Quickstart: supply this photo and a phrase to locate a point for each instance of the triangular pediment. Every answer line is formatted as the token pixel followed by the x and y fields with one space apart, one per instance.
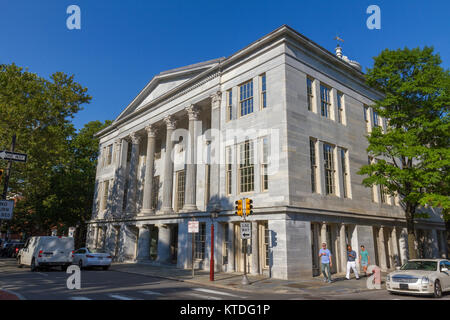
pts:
pixel 165 82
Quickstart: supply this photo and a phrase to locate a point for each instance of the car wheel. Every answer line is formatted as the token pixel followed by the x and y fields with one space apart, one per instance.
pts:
pixel 437 289
pixel 33 265
pixel 105 268
pixel 80 264
pixel 19 263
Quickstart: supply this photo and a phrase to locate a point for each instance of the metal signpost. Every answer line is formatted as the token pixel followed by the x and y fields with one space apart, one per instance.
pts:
pixel 193 228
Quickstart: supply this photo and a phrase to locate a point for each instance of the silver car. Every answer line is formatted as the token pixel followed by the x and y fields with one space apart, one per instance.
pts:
pixel 421 276
pixel 85 257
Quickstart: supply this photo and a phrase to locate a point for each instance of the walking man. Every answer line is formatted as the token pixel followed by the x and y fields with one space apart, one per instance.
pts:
pixel 351 263
pixel 364 259
pixel 325 259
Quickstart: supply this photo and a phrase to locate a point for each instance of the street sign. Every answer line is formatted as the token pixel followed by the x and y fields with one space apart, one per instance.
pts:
pixel 14 156
pixel 6 209
pixel 193 227
pixel 246 230
pixel 71 232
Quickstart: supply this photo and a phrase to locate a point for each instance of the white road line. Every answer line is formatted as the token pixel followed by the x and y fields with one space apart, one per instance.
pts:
pixel 216 292
pixel 79 298
pixel 151 292
pixel 193 294
pixel 119 297
pixel 42 274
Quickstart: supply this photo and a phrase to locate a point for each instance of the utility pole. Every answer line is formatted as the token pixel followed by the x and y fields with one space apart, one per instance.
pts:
pixel 8 173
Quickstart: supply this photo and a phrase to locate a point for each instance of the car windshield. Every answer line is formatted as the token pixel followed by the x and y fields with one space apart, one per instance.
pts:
pixel 420 265
pixel 96 250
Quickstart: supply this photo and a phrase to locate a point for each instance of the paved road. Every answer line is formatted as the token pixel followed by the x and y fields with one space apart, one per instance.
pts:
pixel 114 285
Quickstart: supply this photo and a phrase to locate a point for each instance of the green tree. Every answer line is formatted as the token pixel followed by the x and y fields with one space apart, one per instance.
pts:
pixel 413 155
pixel 39 112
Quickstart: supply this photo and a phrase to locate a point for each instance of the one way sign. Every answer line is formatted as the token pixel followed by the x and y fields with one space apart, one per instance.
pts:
pixel 14 156
pixel 246 230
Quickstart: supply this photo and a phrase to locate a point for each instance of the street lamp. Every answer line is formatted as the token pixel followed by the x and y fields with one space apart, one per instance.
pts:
pixel 214 214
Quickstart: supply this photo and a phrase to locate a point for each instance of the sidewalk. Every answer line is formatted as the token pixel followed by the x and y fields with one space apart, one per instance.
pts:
pixel 262 284
pixel 8 295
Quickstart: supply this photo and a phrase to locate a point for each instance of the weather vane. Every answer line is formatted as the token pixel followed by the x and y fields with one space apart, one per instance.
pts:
pixel 338 39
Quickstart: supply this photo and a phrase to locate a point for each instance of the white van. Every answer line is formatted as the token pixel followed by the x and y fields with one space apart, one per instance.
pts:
pixel 46 252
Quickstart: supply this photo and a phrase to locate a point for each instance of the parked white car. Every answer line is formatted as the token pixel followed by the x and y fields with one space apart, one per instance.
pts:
pixel 46 252
pixel 421 276
pixel 85 257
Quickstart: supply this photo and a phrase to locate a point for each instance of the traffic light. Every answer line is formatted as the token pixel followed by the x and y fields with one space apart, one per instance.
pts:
pixel 239 207
pixel 248 206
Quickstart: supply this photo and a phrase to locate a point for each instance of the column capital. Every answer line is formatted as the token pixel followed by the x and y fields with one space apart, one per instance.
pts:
pixel 215 99
pixel 135 138
pixel 193 112
pixel 151 131
pixel 170 122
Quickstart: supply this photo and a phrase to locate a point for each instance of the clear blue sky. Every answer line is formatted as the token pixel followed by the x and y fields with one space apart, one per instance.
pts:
pixel 123 44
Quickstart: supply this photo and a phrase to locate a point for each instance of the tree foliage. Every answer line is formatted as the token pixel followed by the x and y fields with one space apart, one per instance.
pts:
pixel 55 186
pixel 413 155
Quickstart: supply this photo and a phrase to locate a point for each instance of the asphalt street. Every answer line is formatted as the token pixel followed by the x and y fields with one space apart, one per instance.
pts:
pixel 97 284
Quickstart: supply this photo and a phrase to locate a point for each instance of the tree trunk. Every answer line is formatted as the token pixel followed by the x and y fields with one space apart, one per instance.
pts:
pixel 409 213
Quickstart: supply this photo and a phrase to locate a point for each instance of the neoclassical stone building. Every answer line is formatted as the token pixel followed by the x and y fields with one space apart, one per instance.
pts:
pixel 283 122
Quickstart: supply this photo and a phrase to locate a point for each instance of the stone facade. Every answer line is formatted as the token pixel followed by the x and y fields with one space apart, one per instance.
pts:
pixel 198 138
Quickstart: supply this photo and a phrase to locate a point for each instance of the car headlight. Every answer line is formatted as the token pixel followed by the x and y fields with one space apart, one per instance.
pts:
pixel 425 280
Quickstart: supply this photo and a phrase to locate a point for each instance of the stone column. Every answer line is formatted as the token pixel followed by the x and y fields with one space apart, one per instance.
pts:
pixel 395 253
pixel 403 244
pixel 382 249
pixel 191 166
pixel 230 244
pixel 323 235
pixel 255 249
pixel 95 236
pixel 343 248
pixel 147 205
pixel 168 167
pixel 215 154
pixel 134 162
pixel 163 244
pixel 143 249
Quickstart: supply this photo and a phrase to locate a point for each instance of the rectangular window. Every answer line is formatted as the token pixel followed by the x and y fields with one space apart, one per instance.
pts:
pixel 109 154
pixel 207 183
pixel 155 192
pixel 340 105
pixel 309 92
pixel 246 98
pixel 369 161
pixel 229 105
pixel 344 171
pixel 180 190
pixel 383 194
pixel 329 167
pixel 265 164
pixel 229 172
pixel 200 238
pixel 325 101
pixel 105 194
pixel 312 159
pixel 246 167
pixel 376 119
pixel 263 98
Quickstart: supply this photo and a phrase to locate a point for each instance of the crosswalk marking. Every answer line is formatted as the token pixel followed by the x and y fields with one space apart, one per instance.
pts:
pixel 200 296
pixel 151 292
pixel 118 296
pixel 79 298
pixel 216 292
